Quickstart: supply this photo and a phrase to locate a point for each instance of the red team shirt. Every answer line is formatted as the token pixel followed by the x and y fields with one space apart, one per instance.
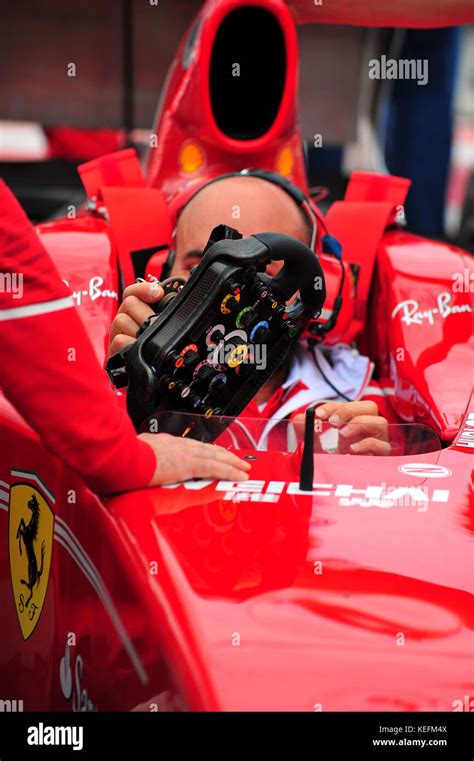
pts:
pixel 68 403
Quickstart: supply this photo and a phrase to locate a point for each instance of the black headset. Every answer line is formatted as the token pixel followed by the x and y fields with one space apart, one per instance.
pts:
pixel 296 194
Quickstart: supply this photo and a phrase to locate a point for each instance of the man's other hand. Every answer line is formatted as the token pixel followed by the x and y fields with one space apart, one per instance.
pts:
pixel 180 459
pixel 361 429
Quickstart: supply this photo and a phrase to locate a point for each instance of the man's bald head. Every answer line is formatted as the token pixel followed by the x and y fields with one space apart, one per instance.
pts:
pixel 250 204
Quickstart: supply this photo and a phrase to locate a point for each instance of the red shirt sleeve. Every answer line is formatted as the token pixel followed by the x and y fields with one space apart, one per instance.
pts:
pixel 49 370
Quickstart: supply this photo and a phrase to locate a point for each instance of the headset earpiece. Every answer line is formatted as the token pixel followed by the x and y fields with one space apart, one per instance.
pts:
pixel 168 265
pixel 161 263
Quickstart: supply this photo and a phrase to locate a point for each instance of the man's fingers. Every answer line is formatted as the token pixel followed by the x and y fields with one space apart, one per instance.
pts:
pixel 299 423
pixel 119 343
pixel 200 450
pixel 123 324
pixel 365 425
pixel 214 452
pixel 150 293
pixel 371 446
pixel 363 429
pixel 179 459
pixel 136 309
pixel 211 461
pixel 213 468
pixel 337 413
pixel 132 312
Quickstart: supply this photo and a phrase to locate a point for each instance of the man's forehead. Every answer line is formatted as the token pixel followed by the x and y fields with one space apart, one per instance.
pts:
pixel 248 203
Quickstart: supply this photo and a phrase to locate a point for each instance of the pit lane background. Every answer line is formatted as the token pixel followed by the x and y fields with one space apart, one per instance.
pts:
pixel 122 50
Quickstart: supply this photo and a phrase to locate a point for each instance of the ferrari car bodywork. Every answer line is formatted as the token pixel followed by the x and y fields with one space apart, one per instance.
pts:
pixel 255 596
pixel 205 595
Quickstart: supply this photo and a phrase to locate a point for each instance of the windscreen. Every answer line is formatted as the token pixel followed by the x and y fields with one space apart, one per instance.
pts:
pixel 261 434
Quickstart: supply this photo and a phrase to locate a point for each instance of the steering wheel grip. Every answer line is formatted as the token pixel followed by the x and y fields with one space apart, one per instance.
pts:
pixel 297 258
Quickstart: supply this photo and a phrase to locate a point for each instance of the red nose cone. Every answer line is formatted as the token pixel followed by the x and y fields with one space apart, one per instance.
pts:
pixel 231 100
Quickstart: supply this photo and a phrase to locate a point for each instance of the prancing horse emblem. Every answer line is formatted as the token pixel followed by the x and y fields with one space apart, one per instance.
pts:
pixel 31 524
pixel 29 535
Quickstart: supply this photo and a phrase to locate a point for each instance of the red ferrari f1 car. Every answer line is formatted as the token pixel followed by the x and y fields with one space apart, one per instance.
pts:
pixel 354 595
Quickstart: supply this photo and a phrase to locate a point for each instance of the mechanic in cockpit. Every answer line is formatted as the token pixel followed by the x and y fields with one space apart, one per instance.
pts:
pixel 264 206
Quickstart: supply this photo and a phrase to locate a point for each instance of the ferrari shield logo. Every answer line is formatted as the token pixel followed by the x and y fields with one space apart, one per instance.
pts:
pixel 31 523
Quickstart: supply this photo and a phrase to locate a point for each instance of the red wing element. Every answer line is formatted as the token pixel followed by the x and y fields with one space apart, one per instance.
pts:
pixel 405 13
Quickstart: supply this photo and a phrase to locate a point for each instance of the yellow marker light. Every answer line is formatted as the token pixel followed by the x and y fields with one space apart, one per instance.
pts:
pixel 284 162
pixel 191 157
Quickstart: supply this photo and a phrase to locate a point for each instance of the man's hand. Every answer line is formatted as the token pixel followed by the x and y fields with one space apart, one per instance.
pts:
pixel 361 429
pixel 132 313
pixel 180 459
pixel 177 459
